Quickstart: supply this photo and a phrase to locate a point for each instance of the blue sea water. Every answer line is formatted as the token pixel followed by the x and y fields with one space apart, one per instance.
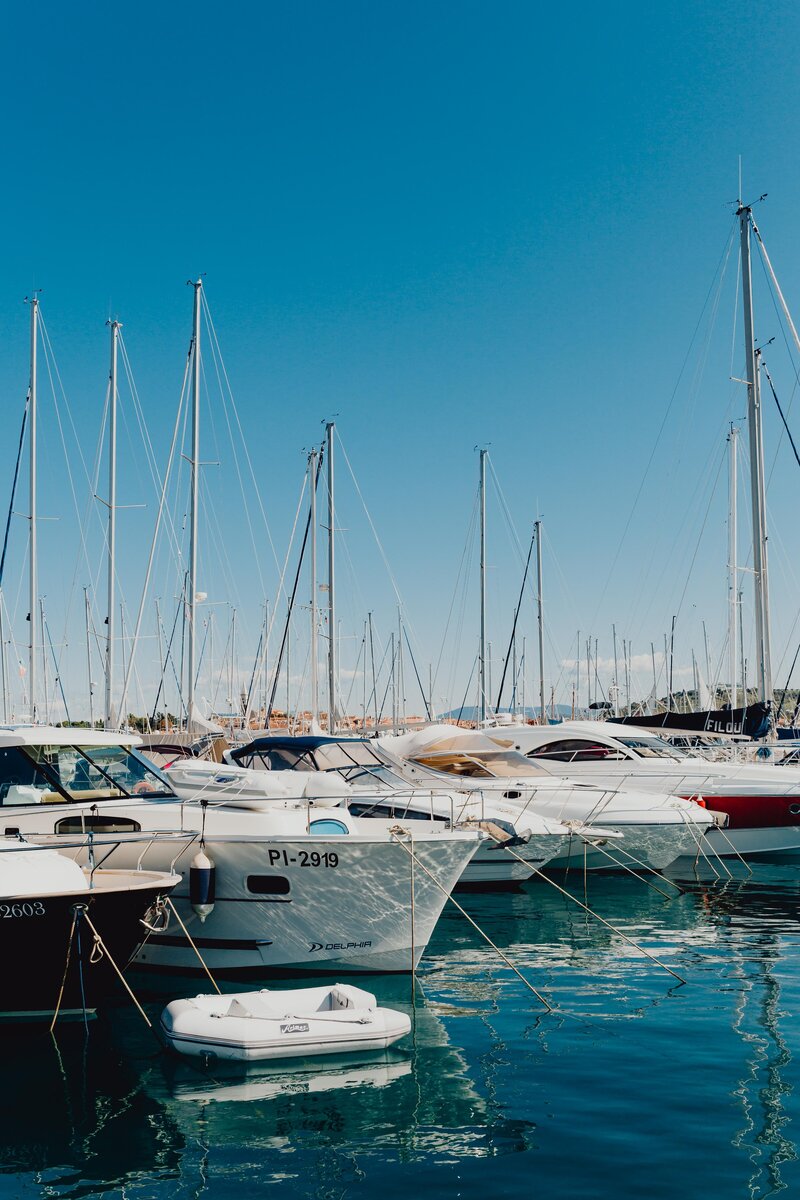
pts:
pixel 636 1086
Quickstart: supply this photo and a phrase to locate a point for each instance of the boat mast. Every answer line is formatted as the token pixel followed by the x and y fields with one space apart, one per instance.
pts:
pixel 33 649
pixel 540 618
pixel 329 430
pixel 312 471
pixel 195 467
pixel 616 670
pixel 482 648
pixel 760 575
pixel 112 522
pixel 733 440
pixel 87 612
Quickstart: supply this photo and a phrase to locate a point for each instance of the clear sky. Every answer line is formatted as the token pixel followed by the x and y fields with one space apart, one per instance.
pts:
pixel 451 225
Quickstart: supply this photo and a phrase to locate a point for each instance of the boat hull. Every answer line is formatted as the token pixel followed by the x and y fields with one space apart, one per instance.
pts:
pixel 208 1030
pixel 35 931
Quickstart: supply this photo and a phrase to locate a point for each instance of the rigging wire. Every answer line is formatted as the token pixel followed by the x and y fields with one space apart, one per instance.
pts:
pixel 14 485
pixel 716 281
pixel 780 410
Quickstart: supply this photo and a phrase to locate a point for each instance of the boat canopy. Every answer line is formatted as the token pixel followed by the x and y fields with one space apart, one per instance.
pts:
pixel 465 752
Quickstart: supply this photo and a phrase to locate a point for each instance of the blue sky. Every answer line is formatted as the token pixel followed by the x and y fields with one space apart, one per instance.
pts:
pixel 449 225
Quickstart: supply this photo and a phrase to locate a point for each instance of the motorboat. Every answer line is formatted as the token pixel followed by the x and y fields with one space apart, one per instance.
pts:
pixel 51 912
pixel 269 1024
pixel 658 827
pixel 295 887
pixel 357 774
pixel 760 800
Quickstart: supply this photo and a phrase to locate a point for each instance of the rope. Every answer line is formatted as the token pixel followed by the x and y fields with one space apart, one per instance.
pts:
pixel 396 835
pixel 780 410
pixel 743 861
pixel 285 638
pixel 66 968
pixel 99 941
pixel 80 911
pixel 14 487
pixel 597 917
pixel 635 874
pixel 194 947
pixel 514 626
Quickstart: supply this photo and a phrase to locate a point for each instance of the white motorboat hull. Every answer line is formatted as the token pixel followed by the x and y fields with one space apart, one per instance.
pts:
pixel 262 1026
pixel 777 841
pixel 651 846
pixel 325 903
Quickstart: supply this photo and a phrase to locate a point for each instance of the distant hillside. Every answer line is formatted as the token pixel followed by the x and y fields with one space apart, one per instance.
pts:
pixel 470 712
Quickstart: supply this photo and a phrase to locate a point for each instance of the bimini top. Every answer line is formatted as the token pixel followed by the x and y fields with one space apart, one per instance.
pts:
pixel 301 742
pixel 67 735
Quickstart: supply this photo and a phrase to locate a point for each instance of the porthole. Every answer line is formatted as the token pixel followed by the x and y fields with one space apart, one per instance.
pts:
pixel 268 885
pixel 328 825
pixel 93 823
pixel 794 809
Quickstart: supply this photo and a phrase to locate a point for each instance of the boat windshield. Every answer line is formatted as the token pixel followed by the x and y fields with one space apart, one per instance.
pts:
pixel 59 774
pixel 480 764
pixel 652 747
pixel 352 760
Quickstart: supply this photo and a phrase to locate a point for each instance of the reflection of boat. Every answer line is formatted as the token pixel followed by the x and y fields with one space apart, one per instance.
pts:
pixel 294 1080
pixel 47 907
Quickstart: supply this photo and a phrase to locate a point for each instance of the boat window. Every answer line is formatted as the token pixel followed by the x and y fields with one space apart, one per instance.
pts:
pixel 652 747
pixel 93 823
pixel 455 764
pixel 23 782
pixel 327 825
pixel 64 773
pixel 127 770
pixel 576 750
pixel 480 764
pixel 274 760
pixel 334 756
pixel 268 885
pixel 392 810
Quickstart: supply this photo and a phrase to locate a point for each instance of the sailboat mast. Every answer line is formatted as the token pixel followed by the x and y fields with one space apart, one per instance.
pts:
pixel 195 466
pixel 312 469
pixel 758 500
pixel 329 430
pixel 733 439
pixel 482 649
pixel 33 649
pixel 87 614
pixel 112 522
pixel 540 619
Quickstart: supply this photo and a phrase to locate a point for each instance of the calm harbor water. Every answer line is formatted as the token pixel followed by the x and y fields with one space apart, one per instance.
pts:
pixel 636 1086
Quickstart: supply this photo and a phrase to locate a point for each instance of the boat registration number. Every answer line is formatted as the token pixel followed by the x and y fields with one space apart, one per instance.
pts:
pixel 33 908
pixel 305 858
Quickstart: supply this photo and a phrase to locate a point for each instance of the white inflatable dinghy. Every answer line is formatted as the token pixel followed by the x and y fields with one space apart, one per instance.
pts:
pixel 247 1026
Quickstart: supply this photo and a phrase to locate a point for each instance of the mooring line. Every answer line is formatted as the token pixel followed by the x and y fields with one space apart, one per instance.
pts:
pixel 475 925
pixel 122 978
pixel 597 917
pixel 635 874
pixel 191 943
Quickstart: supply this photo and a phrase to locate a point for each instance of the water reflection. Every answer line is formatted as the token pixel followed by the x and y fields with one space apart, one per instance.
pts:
pixel 488 1089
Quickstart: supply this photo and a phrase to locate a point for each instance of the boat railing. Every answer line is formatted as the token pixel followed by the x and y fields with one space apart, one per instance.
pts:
pixel 91 841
